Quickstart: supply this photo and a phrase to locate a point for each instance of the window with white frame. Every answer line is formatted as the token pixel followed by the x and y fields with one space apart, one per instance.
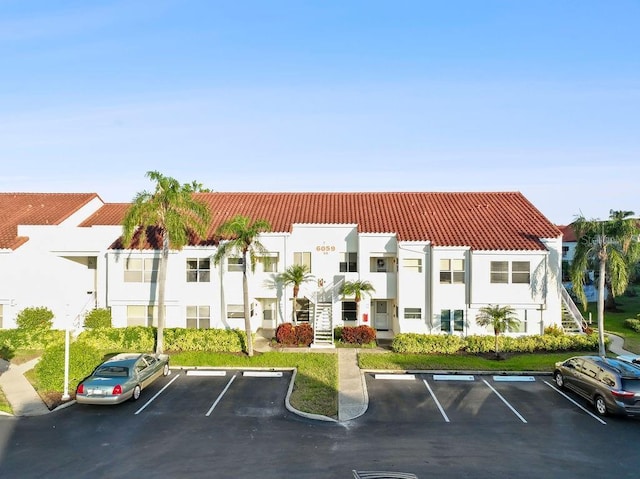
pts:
pixel 451 320
pixel 413 265
pixel 198 317
pixel 520 272
pixel 349 311
pixel 302 258
pixel 380 264
pixel 500 272
pixel 141 315
pixel 348 262
pixel 234 264
pixel 520 326
pixel 269 262
pixel 140 270
pixel 198 270
pixel 452 271
pixel 412 313
pixel 235 311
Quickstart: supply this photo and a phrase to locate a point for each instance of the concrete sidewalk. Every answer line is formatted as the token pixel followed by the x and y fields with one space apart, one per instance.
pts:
pixel 24 400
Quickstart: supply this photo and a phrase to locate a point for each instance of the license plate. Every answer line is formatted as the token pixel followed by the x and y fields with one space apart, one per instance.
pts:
pixel 97 392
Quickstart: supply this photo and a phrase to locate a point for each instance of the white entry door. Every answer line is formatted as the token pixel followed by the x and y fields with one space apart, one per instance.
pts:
pixel 381 315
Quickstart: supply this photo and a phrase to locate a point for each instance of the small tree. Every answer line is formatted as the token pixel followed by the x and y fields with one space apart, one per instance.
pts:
pixel 500 318
pixel 35 320
pixel 296 275
pixel 357 289
pixel 98 318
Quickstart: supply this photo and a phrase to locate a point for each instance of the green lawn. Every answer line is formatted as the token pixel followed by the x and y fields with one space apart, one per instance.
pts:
pixel 629 307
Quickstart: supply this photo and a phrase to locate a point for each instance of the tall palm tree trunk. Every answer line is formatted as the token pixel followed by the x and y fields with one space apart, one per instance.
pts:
pixel 601 286
pixel 247 310
pixel 162 282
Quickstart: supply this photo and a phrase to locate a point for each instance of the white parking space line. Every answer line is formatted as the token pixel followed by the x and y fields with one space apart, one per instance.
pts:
pixel 574 402
pixel 514 378
pixel 156 395
pixel 213 406
pixel 263 374
pixel 452 377
pixel 398 377
pixel 444 414
pixel 198 372
pixel 505 401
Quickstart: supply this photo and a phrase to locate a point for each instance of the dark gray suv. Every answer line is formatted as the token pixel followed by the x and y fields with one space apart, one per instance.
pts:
pixel 612 385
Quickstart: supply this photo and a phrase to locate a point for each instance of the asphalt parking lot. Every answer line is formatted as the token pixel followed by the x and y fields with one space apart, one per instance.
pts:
pixel 234 424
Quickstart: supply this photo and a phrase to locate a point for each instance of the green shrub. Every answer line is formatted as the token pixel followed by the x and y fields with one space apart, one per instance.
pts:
pixel 633 324
pixel 35 319
pixel 413 343
pixel 98 318
pixel 210 340
pixel 131 339
pixel 358 334
pixel 12 339
pixel 49 371
pixel 554 330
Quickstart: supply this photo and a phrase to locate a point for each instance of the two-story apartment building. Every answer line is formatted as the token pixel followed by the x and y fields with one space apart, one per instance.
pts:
pixel 434 260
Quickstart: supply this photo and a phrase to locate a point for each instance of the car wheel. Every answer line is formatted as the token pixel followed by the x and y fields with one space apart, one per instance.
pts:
pixel 601 405
pixel 136 393
pixel 165 370
pixel 559 379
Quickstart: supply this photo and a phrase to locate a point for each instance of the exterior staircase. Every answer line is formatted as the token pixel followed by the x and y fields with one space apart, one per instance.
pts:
pixel 572 319
pixel 323 326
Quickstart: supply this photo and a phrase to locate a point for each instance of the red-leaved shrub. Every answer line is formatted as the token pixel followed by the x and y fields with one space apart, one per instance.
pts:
pixel 358 334
pixel 290 335
pixel 304 333
pixel 285 334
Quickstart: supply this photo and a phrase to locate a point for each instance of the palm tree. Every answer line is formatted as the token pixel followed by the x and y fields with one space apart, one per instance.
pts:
pixel 167 218
pixel 357 289
pixel 240 237
pixel 500 318
pixel 613 246
pixel 296 275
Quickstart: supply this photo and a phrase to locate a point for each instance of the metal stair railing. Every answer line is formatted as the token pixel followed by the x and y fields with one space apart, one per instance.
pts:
pixel 572 310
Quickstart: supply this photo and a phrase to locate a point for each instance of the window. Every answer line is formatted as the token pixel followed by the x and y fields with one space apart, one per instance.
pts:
pixel 500 272
pixel 412 313
pixel 349 312
pixel 141 315
pixel 198 270
pixel 378 264
pixel 565 251
pixel 520 272
pixel 451 320
pixel 269 262
pixel 452 271
pixel 138 270
pixel 412 264
pixel 198 317
pixel 235 311
pixel 303 258
pixel 521 326
pixel 348 262
pixel 234 264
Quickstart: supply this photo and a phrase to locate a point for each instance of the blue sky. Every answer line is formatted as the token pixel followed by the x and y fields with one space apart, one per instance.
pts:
pixel 536 96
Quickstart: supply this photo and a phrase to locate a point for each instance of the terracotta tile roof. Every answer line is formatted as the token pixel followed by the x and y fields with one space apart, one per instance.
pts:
pixel 110 214
pixel 35 209
pixel 481 221
pixel 568 233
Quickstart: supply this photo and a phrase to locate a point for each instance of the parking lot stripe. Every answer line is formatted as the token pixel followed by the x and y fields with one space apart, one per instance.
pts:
pixel 444 414
pixel 198 372
pixel 574 402
pixel 263 374
pixel 156 395
pixel 506 402
pixel 399 377
pixel 452 377
pixel 213 406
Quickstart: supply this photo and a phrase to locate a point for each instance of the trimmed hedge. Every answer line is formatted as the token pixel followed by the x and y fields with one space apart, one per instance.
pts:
pixel 83 359
pixel 13 339
pixel 135 338
pixel 35 319
pixel 98 318
pixel 412 343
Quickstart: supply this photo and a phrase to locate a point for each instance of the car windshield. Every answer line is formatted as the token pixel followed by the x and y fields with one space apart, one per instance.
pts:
pixel 112 371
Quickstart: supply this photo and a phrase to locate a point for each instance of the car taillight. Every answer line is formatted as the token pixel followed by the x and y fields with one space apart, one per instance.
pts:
pixel 623 394
pixel 80 389
pixel 117 389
